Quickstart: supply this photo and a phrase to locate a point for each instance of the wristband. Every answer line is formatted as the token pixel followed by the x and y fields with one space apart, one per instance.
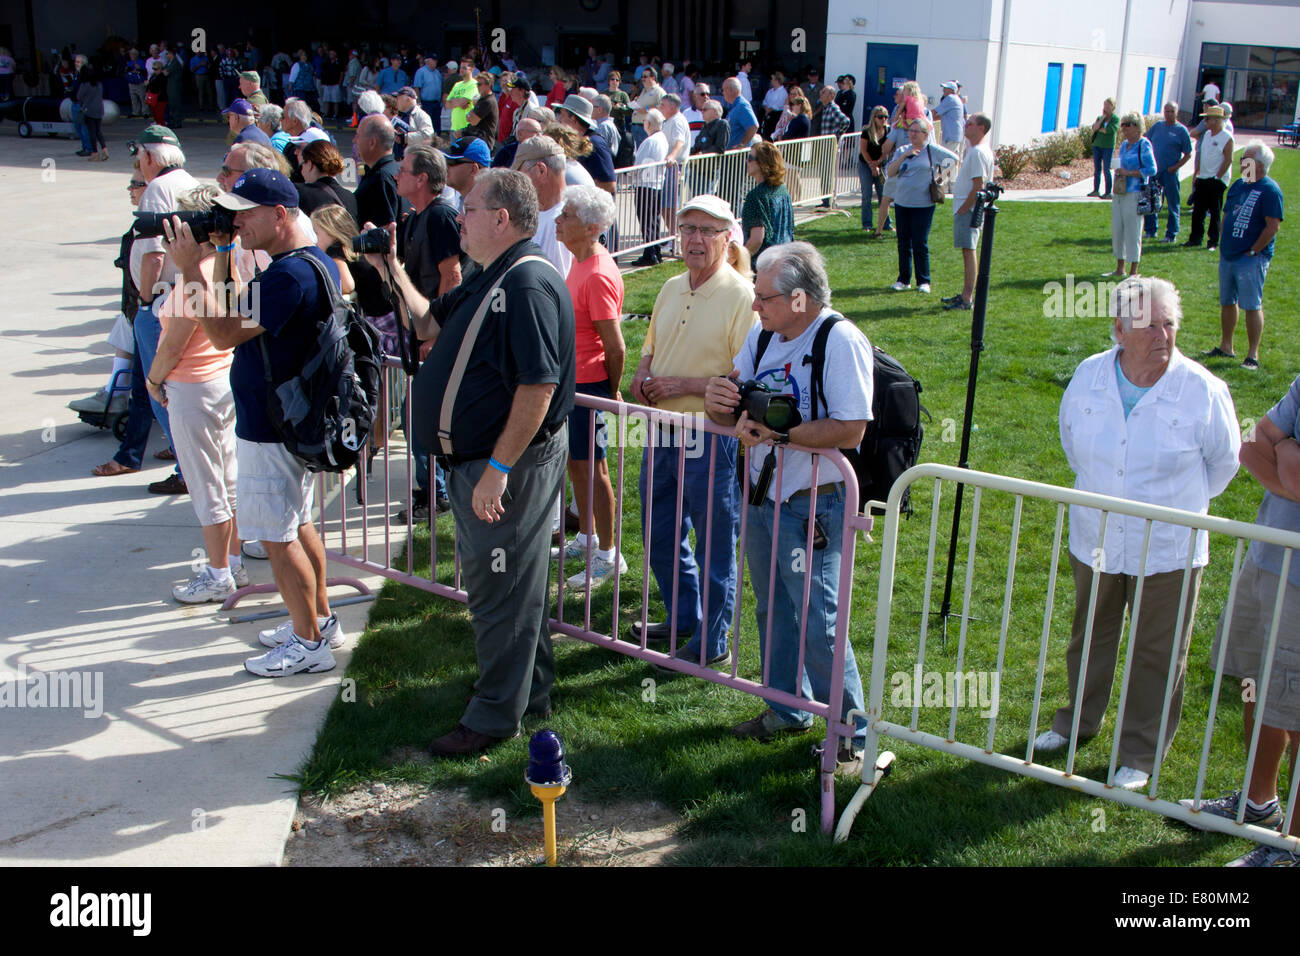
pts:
pixel 152 382
pixel 228 248
pixel 498 466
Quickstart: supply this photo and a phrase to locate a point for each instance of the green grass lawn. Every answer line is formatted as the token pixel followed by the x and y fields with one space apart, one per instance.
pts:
pixel 415 664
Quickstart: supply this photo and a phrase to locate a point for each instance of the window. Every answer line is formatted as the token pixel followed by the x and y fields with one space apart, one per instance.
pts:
pixel 1146 100
pixel 1076 95
pixel 1052 97
pixel 1160 90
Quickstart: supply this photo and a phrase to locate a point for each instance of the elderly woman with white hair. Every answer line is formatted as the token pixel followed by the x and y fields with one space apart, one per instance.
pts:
pixel 1143 422
pixel 1135 161
pixel 268 120
pixel 650 184
pixel 1252 214
pixel 596 288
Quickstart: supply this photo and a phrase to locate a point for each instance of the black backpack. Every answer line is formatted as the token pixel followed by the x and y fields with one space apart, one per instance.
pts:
pixel 892 441
pixel 325 414
pixel 625 155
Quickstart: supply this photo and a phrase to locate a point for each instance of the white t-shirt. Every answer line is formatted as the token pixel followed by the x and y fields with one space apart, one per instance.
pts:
pixel 558 253
pixel 692 115
pixel 775 99
pixel 1210 92
pixel 847 379
pixel 678 129
pixel 978 161
pixel 159 196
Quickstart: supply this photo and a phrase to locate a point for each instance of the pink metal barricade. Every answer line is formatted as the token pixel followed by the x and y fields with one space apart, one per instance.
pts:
pixel 344 525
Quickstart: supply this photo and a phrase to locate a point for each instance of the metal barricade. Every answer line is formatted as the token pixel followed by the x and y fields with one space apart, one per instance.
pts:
pixel 363 537
pixel 847 184
pixel 646 198
pixel 984 751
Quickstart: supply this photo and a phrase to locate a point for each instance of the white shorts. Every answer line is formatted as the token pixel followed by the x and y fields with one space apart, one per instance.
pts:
pixel 332 94
pixel 202 416
pixel 275 492
pixel 121 336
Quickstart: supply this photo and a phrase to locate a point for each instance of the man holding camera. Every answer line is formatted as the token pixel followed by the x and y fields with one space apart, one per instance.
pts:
pixel 154 272
pixel 284 303
pixel 504 442
pixel 792 297
pixel 699 323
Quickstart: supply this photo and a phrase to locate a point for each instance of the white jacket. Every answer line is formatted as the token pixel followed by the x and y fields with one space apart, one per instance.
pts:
pixel 1178 448
pixel 421 133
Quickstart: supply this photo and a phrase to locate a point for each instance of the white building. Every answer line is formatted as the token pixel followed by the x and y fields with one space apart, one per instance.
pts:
pixel 1037 66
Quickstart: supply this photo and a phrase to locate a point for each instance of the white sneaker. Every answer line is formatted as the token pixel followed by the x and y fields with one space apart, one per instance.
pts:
pixel 1050 740
pixel 332 632
pixel 254 549
pixel 1130 779
pixel 601 571
pixel 923 287
pixel 898 287
pixel 240 574
pixel 292 657
pixel 573 551
pixel 203 588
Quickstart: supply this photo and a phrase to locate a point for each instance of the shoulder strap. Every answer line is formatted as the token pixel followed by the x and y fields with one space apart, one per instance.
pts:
pixel 817 393
pixel 466 348
pixel 331 289
pixel 764 339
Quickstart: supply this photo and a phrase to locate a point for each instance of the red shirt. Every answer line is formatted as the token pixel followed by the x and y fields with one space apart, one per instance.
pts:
pixel 506 107
pixel 557 95
pixel 596 288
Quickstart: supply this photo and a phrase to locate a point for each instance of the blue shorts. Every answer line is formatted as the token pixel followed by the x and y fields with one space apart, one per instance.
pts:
pixel 1241 281
pixel 580 423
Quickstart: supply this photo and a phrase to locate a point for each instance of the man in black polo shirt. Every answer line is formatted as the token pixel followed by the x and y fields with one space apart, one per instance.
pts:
pixel 377 198
pixel 508 445
pixel 277 310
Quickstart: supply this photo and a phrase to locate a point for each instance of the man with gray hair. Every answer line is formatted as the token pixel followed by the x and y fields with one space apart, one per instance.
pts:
pixel 1252 214
pixel 793 300
pixel 504 441
pixel 542 160
pixel 1172 144
pixel 378 200
pixel 601 110
pixel 976 170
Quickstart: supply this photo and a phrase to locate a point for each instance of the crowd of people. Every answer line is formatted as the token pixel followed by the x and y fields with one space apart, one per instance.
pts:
pixel 516 205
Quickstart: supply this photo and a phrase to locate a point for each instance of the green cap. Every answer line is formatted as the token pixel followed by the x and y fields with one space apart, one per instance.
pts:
pixel 159 134
pixel 250 75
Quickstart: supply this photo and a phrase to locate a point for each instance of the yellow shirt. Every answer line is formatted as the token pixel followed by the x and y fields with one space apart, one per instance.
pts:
pixel 698 333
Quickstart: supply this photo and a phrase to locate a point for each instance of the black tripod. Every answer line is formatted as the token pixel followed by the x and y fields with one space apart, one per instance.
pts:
pixel 986 212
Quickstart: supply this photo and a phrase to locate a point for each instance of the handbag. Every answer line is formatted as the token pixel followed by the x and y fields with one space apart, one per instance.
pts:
pixel 1120 185
pixel 937 191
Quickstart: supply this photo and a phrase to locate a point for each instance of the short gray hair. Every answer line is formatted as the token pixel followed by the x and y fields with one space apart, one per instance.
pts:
pixel 797 266
pixel 1139 295
pixel 298 110
pixel 269 116
pixel 588 93
pixel 603 102
pixel 1134 117
pixel 712 105
pixel 1261 153
pixel 379 129
pixel 257 156
pixel 591 204
pixel 164 154
pixel 512 191
pixel 429 162
pixel 671 98
pixel 198 199
pixel 654 118
pixel 544 115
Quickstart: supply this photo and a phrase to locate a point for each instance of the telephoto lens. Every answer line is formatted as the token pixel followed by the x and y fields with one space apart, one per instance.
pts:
pixel 202 224
pixel 770 409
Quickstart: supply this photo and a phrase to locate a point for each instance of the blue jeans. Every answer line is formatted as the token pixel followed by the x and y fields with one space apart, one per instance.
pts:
pixel 130 452
pixel 866 181
pixel 1169 183
pixel 82 132
pixel 1100 164
pixel 670 553
pixel 914 242
pixel 823 600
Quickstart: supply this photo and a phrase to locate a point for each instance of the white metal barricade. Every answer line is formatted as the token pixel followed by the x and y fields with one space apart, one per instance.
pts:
pixel 876 763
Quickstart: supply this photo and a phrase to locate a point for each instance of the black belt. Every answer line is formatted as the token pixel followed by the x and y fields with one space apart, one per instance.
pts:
pixel 545 433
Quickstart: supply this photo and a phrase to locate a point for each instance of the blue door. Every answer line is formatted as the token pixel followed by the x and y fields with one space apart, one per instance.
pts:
pixel 887 63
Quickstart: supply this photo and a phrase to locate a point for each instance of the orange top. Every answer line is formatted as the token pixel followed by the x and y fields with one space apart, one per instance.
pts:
pixel 201 361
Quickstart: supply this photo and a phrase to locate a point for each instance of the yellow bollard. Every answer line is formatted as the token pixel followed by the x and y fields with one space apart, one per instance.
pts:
pixel 548 776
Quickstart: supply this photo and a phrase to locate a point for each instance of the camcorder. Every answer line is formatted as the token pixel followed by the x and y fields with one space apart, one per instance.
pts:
pixel 778 412
pixel 372 240
pixel 984 198
pixel 202 224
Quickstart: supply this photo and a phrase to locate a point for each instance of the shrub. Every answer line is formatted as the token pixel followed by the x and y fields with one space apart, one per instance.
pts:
pixel 1084 137
pixel 1011 160
pixel 1055 149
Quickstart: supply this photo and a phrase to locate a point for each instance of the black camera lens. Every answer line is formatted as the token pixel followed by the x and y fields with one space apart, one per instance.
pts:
pixel 372 240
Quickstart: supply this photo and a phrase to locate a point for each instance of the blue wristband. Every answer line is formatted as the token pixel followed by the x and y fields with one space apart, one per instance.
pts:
pixel 498 466
pixel 228 248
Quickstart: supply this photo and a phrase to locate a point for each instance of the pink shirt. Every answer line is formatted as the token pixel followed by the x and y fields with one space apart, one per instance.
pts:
pixel 596 288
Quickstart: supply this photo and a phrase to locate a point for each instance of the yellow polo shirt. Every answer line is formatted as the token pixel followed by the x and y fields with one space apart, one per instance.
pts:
pixel 699 332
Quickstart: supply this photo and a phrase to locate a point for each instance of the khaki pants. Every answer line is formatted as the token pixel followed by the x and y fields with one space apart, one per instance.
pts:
pixel 1150 650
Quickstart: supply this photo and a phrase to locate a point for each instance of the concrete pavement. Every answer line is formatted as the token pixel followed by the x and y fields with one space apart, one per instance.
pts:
pixel 180 766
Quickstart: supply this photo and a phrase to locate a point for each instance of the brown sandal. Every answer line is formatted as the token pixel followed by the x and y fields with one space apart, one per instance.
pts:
pixel 111 469
pixel 165 455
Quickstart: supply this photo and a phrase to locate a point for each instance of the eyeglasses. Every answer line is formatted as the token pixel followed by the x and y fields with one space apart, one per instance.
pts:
pixel 1128 124
pixel 135 184
pixel 764 298
pixel 226 171
pixel 708 232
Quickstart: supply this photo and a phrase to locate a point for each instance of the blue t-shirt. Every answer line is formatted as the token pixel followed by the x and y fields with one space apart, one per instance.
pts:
pixel 253 134
pixel 429 83
pixel 390 80
pixel 600 161
pixel 1275 511
pixel 740 119
pixel 1244 210
pixel 916 173
pixel 198 64
pixel 1129 394
pixel 1171 143
pixel 287 299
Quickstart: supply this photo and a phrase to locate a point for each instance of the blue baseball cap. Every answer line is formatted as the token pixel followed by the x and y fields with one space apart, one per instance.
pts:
pixel 468 149
pixel 240 106
pixel 259 187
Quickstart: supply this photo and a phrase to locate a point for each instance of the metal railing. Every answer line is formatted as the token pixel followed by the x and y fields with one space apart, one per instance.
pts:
pixel 360 535
pixel 984 751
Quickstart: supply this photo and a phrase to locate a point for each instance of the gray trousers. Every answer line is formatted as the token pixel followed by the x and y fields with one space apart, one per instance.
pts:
pixel 505 568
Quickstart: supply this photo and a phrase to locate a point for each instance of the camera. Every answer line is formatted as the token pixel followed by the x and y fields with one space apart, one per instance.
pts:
pixel 372 240
pixel 401 126
pixel 132 147
pixel 778 412
pixel 202 224
pixel 984 198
